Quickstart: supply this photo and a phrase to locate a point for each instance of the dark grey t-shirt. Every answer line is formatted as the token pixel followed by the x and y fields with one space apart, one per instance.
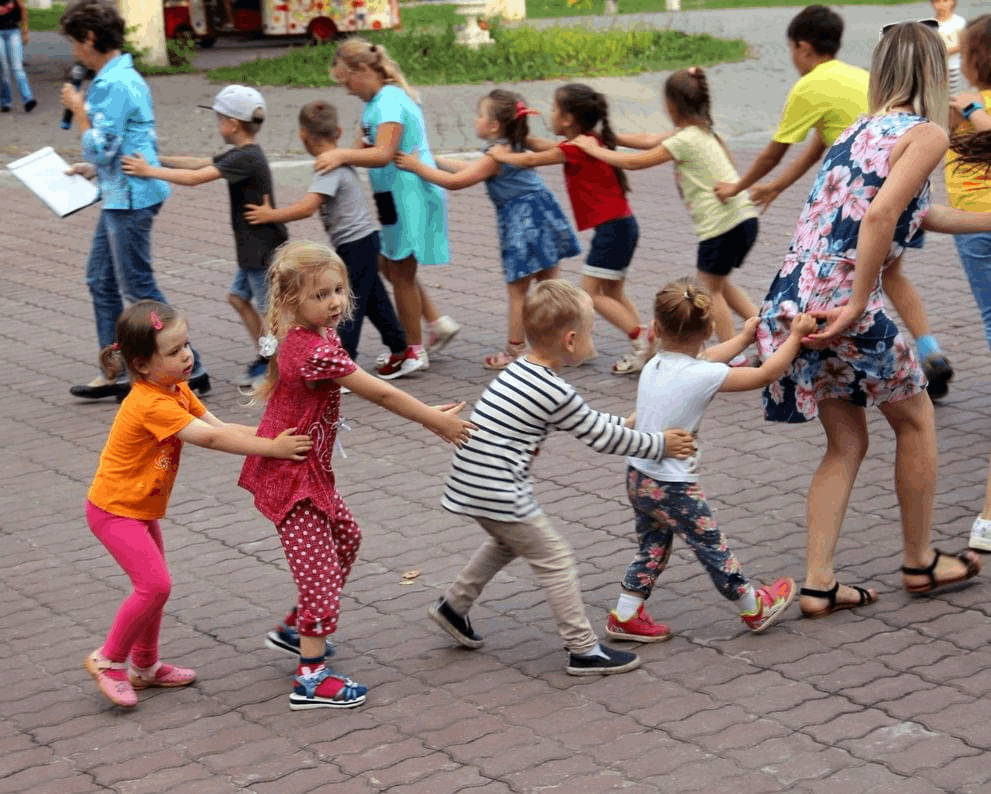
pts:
pixel 344 212
pixel 249 180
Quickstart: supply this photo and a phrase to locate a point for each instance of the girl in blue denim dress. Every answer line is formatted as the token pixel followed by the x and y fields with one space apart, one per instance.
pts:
pixel 534 233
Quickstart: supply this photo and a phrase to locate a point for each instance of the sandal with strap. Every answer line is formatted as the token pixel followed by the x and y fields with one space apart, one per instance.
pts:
pixel 504 358
pixel 865 598
pixel 967 557
pixel 161 674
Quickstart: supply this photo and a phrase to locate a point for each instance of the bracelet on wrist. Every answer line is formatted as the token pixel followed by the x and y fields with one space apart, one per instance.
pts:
pixel 969 111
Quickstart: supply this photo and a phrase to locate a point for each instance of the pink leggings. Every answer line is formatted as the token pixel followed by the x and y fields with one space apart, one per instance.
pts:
pixel 137 547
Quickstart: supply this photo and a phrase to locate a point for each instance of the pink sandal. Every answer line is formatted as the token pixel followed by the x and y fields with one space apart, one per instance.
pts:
pixel 111 678
pixel 504 358
pixel 161 674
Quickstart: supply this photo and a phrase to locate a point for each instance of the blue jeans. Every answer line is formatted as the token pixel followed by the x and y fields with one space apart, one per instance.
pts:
pixel 12 68
pixel 119 269
pixel 975 256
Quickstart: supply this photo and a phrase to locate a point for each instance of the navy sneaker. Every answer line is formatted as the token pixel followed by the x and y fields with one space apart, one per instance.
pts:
pixel 254 373
pixel 286 638
pixel 606 663
pixel 938 372
pixel 454 624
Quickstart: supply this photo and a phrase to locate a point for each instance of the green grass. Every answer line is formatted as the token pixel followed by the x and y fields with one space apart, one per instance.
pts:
pixel 41 19
pixel 433 59
pixel 545 9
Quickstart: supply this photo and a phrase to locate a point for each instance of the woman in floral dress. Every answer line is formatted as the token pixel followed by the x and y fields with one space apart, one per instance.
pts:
pixel 870 199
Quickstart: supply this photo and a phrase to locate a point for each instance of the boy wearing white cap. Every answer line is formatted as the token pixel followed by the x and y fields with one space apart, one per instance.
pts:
pixel 240 112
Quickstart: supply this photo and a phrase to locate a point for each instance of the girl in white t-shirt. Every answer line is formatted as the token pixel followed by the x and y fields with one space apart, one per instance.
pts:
pixel 950 27
pixel 676 386
pixel 727 231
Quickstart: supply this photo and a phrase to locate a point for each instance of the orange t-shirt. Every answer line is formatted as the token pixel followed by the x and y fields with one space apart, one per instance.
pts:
pixel 968 188
pixel 140 460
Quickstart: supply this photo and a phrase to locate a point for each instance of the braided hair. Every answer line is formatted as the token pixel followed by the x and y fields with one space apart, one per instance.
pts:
pixel 590 109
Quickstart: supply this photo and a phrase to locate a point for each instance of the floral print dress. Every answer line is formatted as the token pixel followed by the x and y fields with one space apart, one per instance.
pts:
pixel 871 363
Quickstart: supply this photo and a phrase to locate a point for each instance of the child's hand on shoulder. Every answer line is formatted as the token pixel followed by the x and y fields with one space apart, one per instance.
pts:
pixel 134 165
pixel 498 152
pixel 585 142
pixel 803 324
pixel 256 214
pixel 328 161
pixel 289 446
pixel 449 427
pixel 678 444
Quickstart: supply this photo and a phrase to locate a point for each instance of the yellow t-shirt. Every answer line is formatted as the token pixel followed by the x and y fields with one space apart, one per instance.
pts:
pixel 702 161
pixel 968 188
pixel 828 98
pixel 139 463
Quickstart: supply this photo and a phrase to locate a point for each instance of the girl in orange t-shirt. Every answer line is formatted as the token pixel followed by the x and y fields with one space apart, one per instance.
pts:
pixel 130 491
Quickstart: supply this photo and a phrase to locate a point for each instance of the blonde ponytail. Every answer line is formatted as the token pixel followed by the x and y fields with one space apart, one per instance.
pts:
pixel 356 51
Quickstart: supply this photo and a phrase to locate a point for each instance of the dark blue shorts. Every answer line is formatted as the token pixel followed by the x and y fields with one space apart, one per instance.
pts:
pixel 612 249
pixel 719 255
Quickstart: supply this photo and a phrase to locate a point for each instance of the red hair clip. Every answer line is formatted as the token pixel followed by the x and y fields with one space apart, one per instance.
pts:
pixel 522 110
pixel 155 321
pixel 115 347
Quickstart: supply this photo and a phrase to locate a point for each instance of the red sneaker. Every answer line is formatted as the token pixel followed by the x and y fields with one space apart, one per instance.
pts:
pixel 406 363
pixel 640 628
pixel 772 601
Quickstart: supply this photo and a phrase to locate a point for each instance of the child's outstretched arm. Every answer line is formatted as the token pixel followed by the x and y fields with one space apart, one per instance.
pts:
pixel 136 165
pixel 442 421
pixel 176 161
pixel 630 161
pixel 731 348
pixel 387 137
pixel 950 220
pixel 766 162
pixel 258 214
pixel 552 156
pixel 537 144
pixel 473 173
pixel 763 195
pixel 451 165
pixel 211 433
pixel 749 378
pixel 642 140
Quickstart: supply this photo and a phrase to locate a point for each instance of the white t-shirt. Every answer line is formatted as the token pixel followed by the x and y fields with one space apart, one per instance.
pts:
pixel 954 24
pixel 674 392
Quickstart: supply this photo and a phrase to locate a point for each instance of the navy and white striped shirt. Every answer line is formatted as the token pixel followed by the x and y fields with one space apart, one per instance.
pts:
pixel 490 475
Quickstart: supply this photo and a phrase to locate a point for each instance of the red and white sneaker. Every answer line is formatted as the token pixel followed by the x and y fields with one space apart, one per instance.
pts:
pixel 441 331
pixel 399 364
pixel 640 628
pixel 772 601
pixel 160 674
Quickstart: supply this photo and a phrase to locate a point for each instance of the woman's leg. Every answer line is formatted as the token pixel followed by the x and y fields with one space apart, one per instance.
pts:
pixel 829 493
pixel 975 256
pixel 914 423
pixel 101 279
pixel 6 73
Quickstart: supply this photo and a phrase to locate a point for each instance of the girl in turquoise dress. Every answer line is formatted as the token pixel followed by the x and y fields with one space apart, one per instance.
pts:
pixel 534 233
pixel 869 200
pixel 413 213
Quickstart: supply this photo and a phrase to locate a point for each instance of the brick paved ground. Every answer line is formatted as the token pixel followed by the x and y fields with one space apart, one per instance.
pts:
pixel 891 697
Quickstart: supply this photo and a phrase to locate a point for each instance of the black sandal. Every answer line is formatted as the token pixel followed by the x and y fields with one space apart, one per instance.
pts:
pixel 973 564
pixel 830 595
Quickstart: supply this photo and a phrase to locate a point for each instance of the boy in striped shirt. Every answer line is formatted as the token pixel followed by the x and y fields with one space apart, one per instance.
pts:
pixel 490 475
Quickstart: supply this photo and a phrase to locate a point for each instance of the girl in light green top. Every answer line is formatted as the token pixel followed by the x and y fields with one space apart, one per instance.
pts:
pixel 727 231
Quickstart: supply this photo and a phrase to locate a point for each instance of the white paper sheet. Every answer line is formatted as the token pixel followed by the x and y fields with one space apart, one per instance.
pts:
pixel 43 172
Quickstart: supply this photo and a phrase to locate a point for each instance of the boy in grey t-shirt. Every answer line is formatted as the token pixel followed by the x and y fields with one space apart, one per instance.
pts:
pixel 353 233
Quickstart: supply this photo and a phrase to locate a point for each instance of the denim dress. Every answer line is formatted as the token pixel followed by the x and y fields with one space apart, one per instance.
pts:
pixel 534 233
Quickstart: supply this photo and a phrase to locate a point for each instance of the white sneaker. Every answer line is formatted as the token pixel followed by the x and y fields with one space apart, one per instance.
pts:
pixel 442 331
pixel 398 366
pixel 632 362
pixel 980 535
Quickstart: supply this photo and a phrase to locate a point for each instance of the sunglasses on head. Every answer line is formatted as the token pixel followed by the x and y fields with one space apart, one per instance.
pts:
pixel 929 23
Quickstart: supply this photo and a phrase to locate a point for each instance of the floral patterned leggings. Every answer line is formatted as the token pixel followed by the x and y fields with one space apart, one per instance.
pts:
pixel 663 508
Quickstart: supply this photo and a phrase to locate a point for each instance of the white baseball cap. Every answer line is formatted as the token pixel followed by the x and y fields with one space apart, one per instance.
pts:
pixel 239 102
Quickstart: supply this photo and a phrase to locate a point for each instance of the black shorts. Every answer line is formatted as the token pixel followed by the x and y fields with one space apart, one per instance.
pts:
pixel 719 255
pixel 612 249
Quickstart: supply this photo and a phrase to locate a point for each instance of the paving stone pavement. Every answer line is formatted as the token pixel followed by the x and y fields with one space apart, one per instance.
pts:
pixel 891 697
pixel 887 698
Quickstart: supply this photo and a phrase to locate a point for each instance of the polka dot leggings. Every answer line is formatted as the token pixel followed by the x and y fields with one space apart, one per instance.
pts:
pixel 320 551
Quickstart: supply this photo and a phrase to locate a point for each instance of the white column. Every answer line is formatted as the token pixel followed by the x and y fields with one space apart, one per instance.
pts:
pixel 149 19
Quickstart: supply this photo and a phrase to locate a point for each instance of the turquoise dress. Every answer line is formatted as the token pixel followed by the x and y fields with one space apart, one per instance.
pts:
pixel 413 213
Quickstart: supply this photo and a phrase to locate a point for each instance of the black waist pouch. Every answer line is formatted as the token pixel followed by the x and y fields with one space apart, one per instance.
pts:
pixel 386 206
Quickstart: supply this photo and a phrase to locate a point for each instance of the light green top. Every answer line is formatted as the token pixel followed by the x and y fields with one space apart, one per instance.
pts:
pixel 702 161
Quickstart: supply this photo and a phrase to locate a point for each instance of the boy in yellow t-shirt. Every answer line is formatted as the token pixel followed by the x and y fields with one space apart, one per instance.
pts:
pixel 828 97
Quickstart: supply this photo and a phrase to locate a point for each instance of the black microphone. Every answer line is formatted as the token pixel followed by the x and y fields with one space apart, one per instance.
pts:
pixel 76 76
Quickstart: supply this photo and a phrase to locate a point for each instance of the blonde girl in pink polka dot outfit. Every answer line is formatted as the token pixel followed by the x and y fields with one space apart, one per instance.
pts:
pixel 309 296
